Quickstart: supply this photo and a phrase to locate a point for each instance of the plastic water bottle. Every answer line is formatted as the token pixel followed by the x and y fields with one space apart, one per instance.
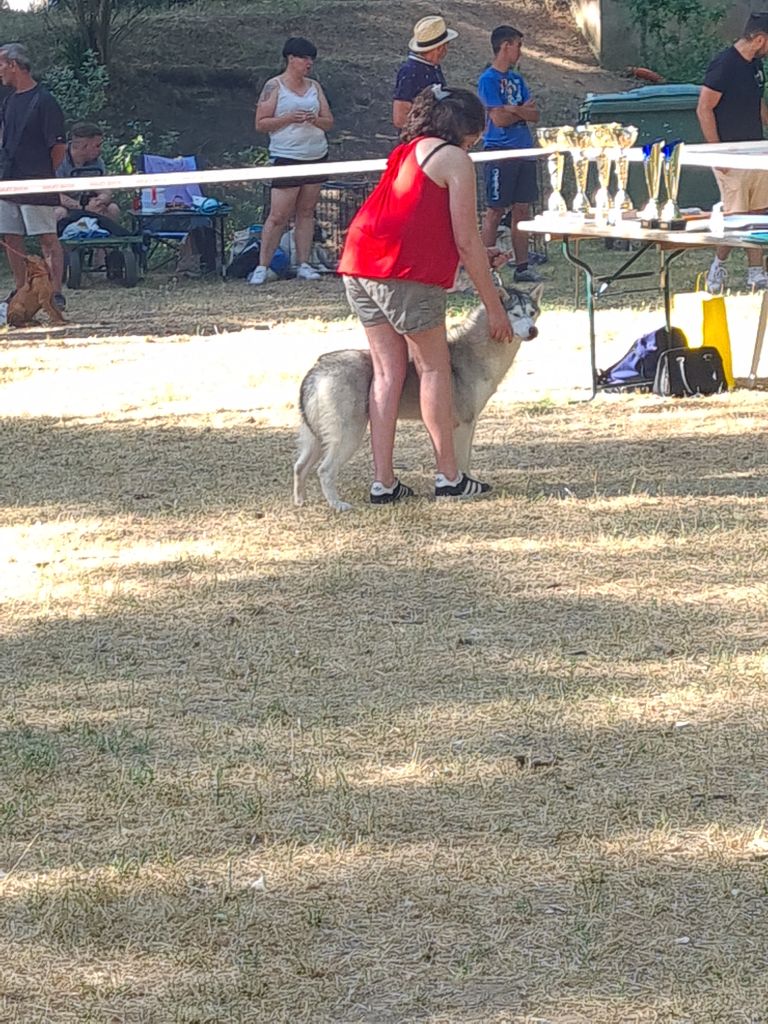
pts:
pixel 717 221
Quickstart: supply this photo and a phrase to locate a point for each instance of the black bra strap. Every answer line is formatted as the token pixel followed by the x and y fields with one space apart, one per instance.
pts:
pixel 429 155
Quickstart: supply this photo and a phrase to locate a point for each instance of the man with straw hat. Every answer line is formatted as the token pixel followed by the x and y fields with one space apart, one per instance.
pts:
pixel 428 47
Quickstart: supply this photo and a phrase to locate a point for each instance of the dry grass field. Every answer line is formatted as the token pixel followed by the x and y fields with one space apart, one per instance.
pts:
pixel 499 763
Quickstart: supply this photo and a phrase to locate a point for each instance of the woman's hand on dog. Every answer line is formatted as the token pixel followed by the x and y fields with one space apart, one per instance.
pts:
pixel 499 327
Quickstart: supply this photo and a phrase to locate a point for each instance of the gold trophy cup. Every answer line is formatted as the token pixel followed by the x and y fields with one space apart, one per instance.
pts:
pixel 604 137
pixel 670 213
pixel 652 159
pixel 550 138
pixel 626 136
pixel 579 141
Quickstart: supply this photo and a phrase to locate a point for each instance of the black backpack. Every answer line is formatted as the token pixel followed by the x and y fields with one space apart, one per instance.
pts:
pixel 245 262
pixel 684 372
pixel 637 367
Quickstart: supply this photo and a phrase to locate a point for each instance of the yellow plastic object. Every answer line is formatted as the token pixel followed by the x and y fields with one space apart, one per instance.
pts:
pixel 704 320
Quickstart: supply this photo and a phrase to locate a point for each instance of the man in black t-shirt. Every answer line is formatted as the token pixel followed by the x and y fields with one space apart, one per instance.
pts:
pixel 732 109
pixel 33 136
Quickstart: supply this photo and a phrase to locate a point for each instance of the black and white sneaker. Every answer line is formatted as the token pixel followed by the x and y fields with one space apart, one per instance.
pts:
pixel 381 495
pixel 463 487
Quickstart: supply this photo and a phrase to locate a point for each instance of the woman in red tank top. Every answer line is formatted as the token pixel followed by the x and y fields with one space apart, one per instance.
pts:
pixel 401 256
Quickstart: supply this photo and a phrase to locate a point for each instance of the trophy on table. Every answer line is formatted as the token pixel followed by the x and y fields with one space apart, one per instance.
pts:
pixel 652 156
pixel 670 212
pixel 551 139
pixel 626 136
pixel 579 141
pixel 604 140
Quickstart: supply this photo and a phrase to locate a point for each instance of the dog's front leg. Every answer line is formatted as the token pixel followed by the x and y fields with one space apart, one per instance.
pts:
pixel 54 315
pixel 462 443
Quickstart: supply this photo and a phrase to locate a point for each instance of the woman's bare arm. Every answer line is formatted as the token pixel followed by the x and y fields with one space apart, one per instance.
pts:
pixel 457 172
pixel 265 110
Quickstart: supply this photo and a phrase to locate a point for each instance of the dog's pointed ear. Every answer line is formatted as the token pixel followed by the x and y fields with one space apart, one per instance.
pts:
pixel 503 293
pixel 537 292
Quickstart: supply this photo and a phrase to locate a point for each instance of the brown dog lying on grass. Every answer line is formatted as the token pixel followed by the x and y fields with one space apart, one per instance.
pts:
pixel 35 294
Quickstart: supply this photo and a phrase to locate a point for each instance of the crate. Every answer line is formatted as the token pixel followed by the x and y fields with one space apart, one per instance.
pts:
pixel 338 203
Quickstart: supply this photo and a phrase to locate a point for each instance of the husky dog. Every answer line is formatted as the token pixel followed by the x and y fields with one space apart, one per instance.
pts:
pixel 334 394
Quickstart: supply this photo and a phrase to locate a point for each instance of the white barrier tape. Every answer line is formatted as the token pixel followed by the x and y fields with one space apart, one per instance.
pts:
pixel 692 156
pixel 222 175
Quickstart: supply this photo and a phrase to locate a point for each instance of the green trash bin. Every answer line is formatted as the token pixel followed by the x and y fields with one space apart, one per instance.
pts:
pixel 658 111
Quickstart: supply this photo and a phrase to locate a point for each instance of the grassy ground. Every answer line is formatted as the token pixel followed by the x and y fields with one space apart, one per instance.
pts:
pixel 501 762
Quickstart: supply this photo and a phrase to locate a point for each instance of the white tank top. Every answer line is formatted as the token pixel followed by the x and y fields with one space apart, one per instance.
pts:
pixel 298 141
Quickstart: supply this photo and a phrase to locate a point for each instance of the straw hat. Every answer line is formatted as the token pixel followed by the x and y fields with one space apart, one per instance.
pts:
pixel 429 33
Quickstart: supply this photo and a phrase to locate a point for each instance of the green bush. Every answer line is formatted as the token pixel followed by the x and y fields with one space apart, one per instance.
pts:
pixel 80 89
pixel 678 38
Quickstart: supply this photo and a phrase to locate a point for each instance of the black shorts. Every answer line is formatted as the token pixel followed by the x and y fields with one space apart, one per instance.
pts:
pixel 510 181
pixel 284 161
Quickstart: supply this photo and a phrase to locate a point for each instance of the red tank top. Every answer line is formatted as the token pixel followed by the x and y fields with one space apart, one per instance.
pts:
pixel 403 229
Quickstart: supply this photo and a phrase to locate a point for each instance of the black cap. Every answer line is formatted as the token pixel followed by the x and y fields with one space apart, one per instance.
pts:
pixel 297 46
pixel 756 22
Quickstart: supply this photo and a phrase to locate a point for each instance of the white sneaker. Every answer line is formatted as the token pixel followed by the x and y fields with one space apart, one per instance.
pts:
pixel 306 273
pixel 259 275
pixel 717 277
pixel 757 278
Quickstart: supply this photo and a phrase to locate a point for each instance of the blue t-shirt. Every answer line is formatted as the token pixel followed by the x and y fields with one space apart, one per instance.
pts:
pixel 414 76
pixel 503 89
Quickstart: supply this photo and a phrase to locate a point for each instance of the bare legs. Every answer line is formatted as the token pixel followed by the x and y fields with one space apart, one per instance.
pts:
pixel 286 204
pixel 491 220
pixel 389 351
pixel 54 257
pixel 16 252
pixel 304 221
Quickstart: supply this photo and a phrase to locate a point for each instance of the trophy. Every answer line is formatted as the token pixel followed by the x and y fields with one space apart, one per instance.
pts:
pixel 550 138
pixel 670 213
pixel 625 139
pixel 652 171
pixel 604 138
pixel 579 141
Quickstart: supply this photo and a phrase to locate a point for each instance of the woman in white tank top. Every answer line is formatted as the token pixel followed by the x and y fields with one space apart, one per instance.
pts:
pixel 293 110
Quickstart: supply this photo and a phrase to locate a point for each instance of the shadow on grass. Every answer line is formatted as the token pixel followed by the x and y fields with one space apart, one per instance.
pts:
pixel 354 706
pixel 150 469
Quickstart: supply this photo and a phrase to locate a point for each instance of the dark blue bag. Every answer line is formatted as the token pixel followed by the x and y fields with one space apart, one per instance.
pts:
pixel 637 368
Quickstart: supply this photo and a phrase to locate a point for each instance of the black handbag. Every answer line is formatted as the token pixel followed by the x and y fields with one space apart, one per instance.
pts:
pixel 684 372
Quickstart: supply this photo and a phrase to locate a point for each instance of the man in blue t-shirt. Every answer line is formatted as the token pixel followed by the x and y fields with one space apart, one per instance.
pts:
pixel 731 108
pixel 509 184
pixel 428 46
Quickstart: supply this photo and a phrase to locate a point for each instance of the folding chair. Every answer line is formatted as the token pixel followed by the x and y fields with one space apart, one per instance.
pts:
pixel 165 231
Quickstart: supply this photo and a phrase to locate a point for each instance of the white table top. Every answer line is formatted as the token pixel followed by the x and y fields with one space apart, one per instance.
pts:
pixel 562 227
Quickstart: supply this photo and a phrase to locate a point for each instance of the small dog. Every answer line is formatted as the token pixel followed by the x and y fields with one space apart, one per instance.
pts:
pixel 35 294
pixel 334 394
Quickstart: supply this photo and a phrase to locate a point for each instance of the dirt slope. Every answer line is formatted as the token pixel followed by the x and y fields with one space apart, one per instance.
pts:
pixel 205 84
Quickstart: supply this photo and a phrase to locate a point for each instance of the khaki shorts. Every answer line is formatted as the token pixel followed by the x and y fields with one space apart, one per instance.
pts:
pixel 743 191
pixel 18 219
pixel 408 306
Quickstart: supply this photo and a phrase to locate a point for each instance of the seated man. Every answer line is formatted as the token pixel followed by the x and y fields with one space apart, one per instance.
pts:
pixel 83 160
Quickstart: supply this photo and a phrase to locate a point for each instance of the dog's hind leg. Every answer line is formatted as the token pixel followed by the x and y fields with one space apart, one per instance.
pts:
pixel 310 452
pixel 463 436
pixel 337 455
